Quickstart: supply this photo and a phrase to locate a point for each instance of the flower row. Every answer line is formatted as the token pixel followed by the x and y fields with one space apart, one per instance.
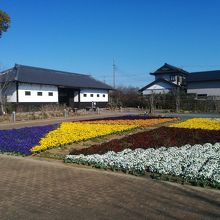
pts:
pixel 138 122
pixel 198 162
pixel 127 117
pixel 199 123
pixel 163 136
pixel 23 139
pixel 43 137
pixel 70 132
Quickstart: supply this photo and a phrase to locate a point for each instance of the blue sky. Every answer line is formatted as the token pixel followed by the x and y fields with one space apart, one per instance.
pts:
pixel 84 35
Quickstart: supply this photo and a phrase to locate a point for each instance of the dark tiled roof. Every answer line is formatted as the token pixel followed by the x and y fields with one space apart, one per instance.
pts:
pixel 8 75
pixel 28 74
pixel 167 68
pixel 156 81
pixel 204 76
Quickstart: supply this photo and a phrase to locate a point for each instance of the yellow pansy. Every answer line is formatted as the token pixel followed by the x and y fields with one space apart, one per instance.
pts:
pixel 70 132
pixel 199 123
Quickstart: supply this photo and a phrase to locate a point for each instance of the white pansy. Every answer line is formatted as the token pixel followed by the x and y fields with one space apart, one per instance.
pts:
pixel 197 162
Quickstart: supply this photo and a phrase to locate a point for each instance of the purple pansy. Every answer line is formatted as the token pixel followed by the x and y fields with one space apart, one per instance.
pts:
pixel 23 139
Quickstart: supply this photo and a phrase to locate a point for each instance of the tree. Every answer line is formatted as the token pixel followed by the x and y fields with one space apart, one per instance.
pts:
pixel 126 97
pixel 4 25
pixel 4 22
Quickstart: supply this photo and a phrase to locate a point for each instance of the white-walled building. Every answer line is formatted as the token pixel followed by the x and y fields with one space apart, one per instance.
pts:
pixel 28 85
pixel 167 77
pixel 202 84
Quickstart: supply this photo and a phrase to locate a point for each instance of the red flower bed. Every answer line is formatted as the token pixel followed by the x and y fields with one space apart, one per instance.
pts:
pixel 163 136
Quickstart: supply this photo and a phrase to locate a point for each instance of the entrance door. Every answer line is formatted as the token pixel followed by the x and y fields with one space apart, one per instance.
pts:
pixel 66 97
pixel 63 96
pixel 71 98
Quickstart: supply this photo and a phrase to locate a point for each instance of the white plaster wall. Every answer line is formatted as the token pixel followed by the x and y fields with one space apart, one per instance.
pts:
pixel 34 88
pixel 157 88
pixel 208 91
pixel 160 85
pixel 211 88
pixel 88 98
pixel 76 96
pixel 155 91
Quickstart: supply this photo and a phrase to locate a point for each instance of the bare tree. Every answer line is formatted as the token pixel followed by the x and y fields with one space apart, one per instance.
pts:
pixel 177 99
pixel 176 96
pixel 4 86
pixel 151 102
pixel 126 97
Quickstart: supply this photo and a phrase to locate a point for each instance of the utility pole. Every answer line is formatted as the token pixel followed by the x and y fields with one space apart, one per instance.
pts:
pixel 113 72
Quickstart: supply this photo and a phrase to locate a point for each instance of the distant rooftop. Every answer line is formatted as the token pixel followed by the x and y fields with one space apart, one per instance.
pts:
pixel 167 68
pixel 191 76
pixel 204 76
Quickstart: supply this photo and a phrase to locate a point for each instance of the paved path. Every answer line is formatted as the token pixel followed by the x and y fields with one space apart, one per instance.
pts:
pixel 39 189
pixel 30 123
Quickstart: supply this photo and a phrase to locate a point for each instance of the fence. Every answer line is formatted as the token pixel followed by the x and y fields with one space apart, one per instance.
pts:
pixel 185 104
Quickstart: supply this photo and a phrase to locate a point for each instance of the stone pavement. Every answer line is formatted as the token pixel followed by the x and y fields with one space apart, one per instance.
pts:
pixel 47 189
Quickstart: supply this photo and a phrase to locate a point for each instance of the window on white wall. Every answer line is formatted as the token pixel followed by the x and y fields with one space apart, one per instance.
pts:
pixel 39 93
pixel 50 93
pixel 91 95
pixel 27 93
pixel 97 95
pixel 172 78
pixel 103 95
pixel 84 95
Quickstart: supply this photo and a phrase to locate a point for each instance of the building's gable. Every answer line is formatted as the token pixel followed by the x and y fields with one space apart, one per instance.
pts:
pixel 161 85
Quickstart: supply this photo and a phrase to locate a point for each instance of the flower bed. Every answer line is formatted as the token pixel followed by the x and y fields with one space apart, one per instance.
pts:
pixel 193 163
pixel 70 132
pixel 163 136
pixel 128 117
pixel 138 122
pixel 23 139
pixel 199 123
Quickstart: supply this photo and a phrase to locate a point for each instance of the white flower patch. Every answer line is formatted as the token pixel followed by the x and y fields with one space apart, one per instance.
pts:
pixel 198 162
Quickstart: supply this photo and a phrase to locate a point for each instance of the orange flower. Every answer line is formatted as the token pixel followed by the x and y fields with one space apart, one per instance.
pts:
pixel 138 122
